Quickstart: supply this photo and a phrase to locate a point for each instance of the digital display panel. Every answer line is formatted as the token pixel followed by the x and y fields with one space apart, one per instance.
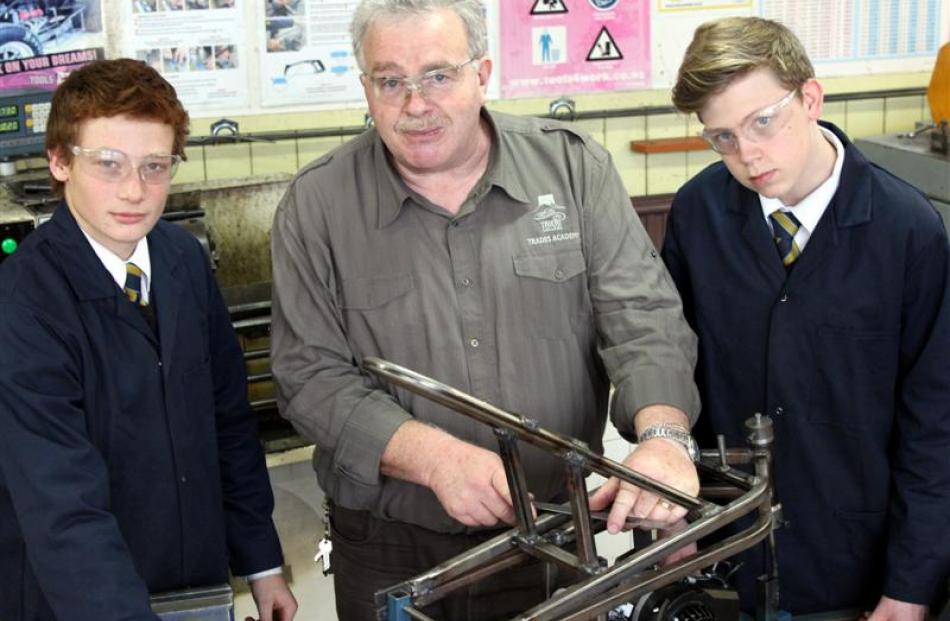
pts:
pixel 23 118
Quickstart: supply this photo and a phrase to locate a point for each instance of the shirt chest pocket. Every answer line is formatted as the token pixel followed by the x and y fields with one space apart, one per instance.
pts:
pixel 552 289
pixel 378 314
pixel 365 294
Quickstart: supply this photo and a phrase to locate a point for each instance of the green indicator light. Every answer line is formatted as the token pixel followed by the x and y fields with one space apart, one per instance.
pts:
pixel 8 245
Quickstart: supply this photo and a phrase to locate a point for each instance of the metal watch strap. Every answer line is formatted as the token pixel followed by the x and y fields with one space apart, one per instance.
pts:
pixel 674 432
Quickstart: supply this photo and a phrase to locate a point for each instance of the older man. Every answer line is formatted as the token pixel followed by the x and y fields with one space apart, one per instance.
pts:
pixel 497 254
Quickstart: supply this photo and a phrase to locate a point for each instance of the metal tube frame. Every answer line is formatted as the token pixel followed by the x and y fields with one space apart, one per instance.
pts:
pixel 599 588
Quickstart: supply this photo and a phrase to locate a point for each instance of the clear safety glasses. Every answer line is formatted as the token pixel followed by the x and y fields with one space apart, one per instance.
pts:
pixel 113 165
pixel 757 127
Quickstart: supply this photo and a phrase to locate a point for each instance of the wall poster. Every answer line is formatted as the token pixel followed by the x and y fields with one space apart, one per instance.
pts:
pixel 197 45
pixel 568 46
pixel 305 53
pixel 42 41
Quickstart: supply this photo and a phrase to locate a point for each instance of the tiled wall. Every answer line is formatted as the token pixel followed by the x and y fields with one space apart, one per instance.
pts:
pixel 642 173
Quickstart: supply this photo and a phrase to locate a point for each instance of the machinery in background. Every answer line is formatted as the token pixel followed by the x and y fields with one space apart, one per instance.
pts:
pixel 938 96
pixel 922 157
pixel 15 225
pixel 250 309
pixel 23 117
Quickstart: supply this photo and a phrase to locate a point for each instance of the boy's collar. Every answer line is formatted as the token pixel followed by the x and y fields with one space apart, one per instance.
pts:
pixel 810 209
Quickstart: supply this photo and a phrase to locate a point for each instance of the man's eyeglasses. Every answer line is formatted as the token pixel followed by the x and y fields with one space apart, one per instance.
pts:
pixel 431 84
pixel 114 165
pixel 757 127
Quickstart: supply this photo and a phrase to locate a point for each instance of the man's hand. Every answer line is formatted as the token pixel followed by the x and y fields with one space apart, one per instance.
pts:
pixel 470 483
pixel 658 459
pixel 892 610
pixel 661 459
pixel 680 553
pixel 274 600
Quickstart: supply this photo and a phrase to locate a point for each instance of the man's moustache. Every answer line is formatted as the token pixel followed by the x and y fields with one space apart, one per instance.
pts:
pixel 420 124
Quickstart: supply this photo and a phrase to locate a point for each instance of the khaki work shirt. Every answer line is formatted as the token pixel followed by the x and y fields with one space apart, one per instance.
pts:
pixel 540 292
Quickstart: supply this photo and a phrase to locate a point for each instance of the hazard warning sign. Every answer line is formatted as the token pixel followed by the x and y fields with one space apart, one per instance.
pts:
pixel 604 48
pixel 573 46
pixel 548 7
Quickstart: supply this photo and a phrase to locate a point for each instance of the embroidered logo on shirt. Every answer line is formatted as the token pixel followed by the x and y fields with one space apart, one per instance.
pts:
pixel 550 215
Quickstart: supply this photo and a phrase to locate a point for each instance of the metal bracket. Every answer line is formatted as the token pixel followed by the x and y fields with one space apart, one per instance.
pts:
pixel 223 127
pixel 563 108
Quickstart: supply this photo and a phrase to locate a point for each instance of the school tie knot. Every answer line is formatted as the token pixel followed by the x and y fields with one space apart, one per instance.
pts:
pixel 133 284
pixel 784 227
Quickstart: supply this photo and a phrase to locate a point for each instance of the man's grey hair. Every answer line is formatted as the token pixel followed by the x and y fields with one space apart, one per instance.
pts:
pixel 469 11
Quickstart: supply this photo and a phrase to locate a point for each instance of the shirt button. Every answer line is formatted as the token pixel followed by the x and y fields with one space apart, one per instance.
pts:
pixel 466 282
pixel 184 479
pixel 473 342
pixel 653 253
pixel 779 411
pixel 558 274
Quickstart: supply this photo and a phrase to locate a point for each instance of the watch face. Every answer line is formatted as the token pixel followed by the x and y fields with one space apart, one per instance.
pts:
pixel 693 449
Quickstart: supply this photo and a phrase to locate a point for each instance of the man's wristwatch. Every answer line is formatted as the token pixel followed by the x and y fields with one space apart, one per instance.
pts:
pixel 676 433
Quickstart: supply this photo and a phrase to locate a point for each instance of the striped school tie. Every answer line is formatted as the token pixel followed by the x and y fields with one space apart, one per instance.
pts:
pixel 133 284
pixel 784 226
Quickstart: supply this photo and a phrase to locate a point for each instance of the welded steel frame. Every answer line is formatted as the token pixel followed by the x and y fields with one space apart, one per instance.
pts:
pixel 599 588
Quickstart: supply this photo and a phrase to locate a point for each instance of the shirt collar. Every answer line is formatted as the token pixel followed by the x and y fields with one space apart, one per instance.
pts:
pixel 116 266
pixel 394 192
pixel 810 209
pixel 501 170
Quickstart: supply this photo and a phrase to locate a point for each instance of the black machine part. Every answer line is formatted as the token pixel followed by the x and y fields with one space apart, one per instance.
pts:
pixel 706 595
pixel 684 602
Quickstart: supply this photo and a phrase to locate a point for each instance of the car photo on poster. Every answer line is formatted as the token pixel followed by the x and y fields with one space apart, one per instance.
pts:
pixel 33 27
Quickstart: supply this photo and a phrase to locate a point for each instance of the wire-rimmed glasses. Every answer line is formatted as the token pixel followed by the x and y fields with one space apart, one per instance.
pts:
pixel 430 85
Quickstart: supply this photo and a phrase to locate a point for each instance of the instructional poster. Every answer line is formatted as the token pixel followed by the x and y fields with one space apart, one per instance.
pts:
pixel 42 42
pixel 198 45
pixel 842 37
pixel 701 5
pixel 896 35
pixel 674 22
pixel 306 56
pixel 568 46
